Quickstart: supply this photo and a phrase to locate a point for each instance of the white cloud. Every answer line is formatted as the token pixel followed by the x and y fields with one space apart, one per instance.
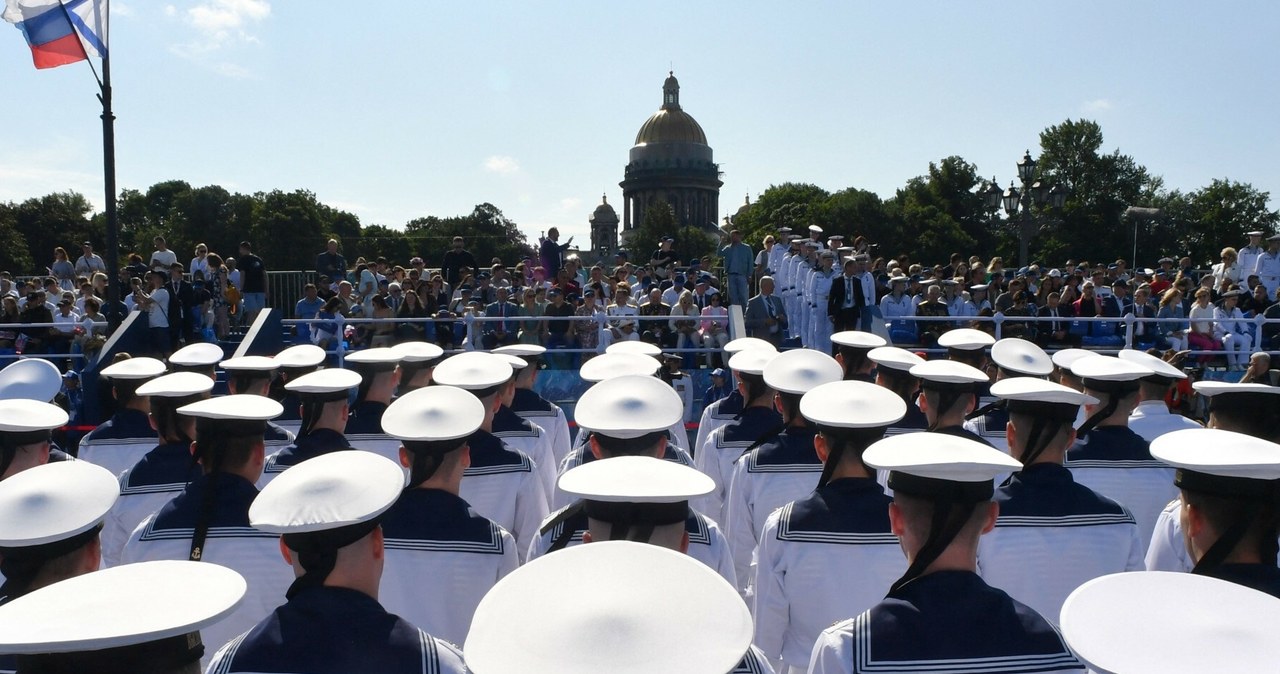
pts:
pixel 501 164
pixel 219 24
pixel 1097 105
pixel 170 10
pixel 570 203
pixel 121 9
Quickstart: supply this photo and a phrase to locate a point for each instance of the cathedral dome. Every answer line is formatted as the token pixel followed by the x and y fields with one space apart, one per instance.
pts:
pixel 670 124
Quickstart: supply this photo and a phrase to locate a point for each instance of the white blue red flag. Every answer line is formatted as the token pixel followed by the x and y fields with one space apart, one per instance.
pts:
pixel 60 32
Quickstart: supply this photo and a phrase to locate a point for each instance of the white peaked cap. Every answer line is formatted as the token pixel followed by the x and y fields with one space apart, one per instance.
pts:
pixel 965 339
pixel 177 385
pixel 522 350
pixel 418 352
pixel 1022 357
pixel 120 606
pixel 635 479
pixel 134 368
pixel 1172 623
pixel 619 599
pixel 852 404
pixel 328 492
pixel 949 372
pixel 628 346
pixel 301 355
pixel 199 354
pixel 1210 389
pixel 744 343
pixel 473 370
pixel 1109 368
pixel 54 502
pixel 894 358
pixel 858 339
pixel 30 379
pixel 250 364
pixel 1064 358
pixel 433 413
pixel 25 416
pixel 516 362
pixel 328 380
pixel 629 406
pixel 1217 452
pixel 800 370
pixel 239 407
pixel 1033 389
pixel 609 365
pixel 380 355
pixel 941 457
pixel 752 361
pixel 1158 366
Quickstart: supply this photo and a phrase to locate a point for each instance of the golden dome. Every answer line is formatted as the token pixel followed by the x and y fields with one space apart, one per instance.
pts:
pixel 671 124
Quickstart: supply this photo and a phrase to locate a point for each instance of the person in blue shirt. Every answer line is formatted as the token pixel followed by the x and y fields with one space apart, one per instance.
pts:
pixel 719 388
pixel 739 263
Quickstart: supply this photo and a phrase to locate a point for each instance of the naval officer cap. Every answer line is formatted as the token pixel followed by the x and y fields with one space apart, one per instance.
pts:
pixel 894 358
pixel 261 366
pixel 529 623
pixel 376 359
pixel 1249 408
pixel 743 343
pixel 635 494
pixel 1109 375
pixel 1050 405
pixel 1162 371
pixel 1120 624
pixel 530 353
pixel 1064 358
pixel 329 384
pixel 301 356
pixel 798 371
pixel 134 369
pixel 752 361
pixel 199 355
pixel 476 371
pixel 26 422
pixel 177 385
pixel 850 412
pixel 642 348
pixel 1021 357
pixel 628 407
pixel 857 339
pixel 516 362
pixel 418 352
pixel 965 339
pixel 949 375
pixel 431 422
pixel 1254 233
pixel 609 365
pixel 237 415
pixel 30 379
pixel 127 619
pixel 325 504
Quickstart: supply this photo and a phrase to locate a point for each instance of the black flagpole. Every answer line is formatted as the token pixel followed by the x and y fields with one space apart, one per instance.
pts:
pixel 114 315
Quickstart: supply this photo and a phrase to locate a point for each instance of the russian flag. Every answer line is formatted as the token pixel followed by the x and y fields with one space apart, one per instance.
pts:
pixel 60 32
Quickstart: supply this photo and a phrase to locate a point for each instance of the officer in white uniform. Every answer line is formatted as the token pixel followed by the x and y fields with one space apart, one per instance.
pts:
pixel 502 482
pixel 830 554
pixel 1013 357
pixel 442 556
pixel 379 370
pixel 164 471
pixel 781 468
pixel 780 245
pixel 295 361
pixel 417 360
pixel 253 375
pixel 942 616
pixel 560 615
pixel 757 419
pixel 323 397
pixel 327 513
pixel 1230 503
pixel 532 407
pixel 1251 409
pixel 898 305
pixel 852 348
pixel 1108 456
pixel 1140 622
pixel 519 433
pixel 145 617
pixel 209 520
pixel 118 443
pixel 1267 266
pixel 1232 331
pixel 727 408
pixel 1152 418
pixel 1051 534
pixel 893 371
pixel 1247 256
pixel 25 434
pixel 820 290
pixel 627 417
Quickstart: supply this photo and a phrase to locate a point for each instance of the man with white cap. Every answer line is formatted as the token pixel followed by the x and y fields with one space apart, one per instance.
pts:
pixel 893 372
pixel 163 472
pixel 531 406
pixel 253 375
pixel 1108 456
pixel 1062 361
pixel 417 360
pixel 26 428
pixel 209 520
pixel 199 357
pixel 1267 266
pixel 757 418
pixel 627 417
pixel 131 619
pixel 948 393
pixel 295 361
pixel 821 324
pixel 726 409
pixel 1152 418
pixel 327 513
pixel 519 433
pixel 1251 409
pixel 1175 623
pixel 120 441
pixel 967 345
pixel 1013 358
pixel 781 467
pixel 1051 534
pixel 1247 257
pixel 852 348
pixel 442 556
pixel 831 553
pixel 379 372
pixel 564 614
pixel 940 614
pixel 1231 329
pixel 323 399
pixel 1229 503
pixel 502 482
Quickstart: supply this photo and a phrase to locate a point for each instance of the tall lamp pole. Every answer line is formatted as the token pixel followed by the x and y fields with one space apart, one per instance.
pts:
pixel 1018 203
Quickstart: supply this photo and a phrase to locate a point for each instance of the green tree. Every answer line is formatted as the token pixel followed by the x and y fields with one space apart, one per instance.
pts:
pixel 659 221
pixel 58 219
pixel 789 204
pixel 382 241
pixel 1200 223
pixel 15 256
pixel 287 229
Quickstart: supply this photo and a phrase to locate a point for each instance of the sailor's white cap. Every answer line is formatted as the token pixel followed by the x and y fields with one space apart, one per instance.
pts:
pixel 378 357
pixel 522 350
pixel 250 364
pixel 30 379
pixel 1036 390
pixel 1158 366
pixel 635 479
pixel 330 491
pixel 894 358
pixel 134 368
pixel 629 406
pixel 177 385
pixel 1219 453
pixel 329 381
pixel 629 346
pixel 27 416
pixel 621 597
pixel 858 339
pixel 433 413
pixel 239 407
pixel 1158 621
pixel 800 370
pixel 744 343
pixel 55 501
pixel 473 371
pixel 1109 369
pixel 301 355
pixel 948 372
pixel 198 354
pixel 752 361
pixel 940 456
pixel 418 352
pixel 610 365
pixel 1210 389
pixel 1022 357
pixel 965 339
pixel 1064 358
pixel 852 404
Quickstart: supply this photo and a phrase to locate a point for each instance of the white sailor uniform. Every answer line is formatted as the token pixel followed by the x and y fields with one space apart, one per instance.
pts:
pixel 145 488
pixel 333 630
pixel 1052 535
pixel 316 443
pixel 502 484
pixel 715 415
pixel 1247 260
pixel 725 446
pixel 707 542
pixel 822 325
pixel 768 477
pixel 119 442
pixel 1267 268
pixel 1116 462
pixel 1152 419
pixel 583 455
pixel 442 557
pixel 676 437
pixel 991 428
pixel 1168 548
pixel 533 407
pixel 529 438
pixel 364 431
pixel 827 555
pixel 231 542
pixel 944 621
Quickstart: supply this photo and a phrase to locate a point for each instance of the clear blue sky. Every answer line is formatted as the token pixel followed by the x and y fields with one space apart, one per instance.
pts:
pixel 398 109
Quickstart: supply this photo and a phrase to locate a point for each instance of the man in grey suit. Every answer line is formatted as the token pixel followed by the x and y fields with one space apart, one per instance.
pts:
pixel 766 317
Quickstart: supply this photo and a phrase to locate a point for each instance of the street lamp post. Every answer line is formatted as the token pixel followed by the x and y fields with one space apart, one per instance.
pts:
pixel 1018 203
